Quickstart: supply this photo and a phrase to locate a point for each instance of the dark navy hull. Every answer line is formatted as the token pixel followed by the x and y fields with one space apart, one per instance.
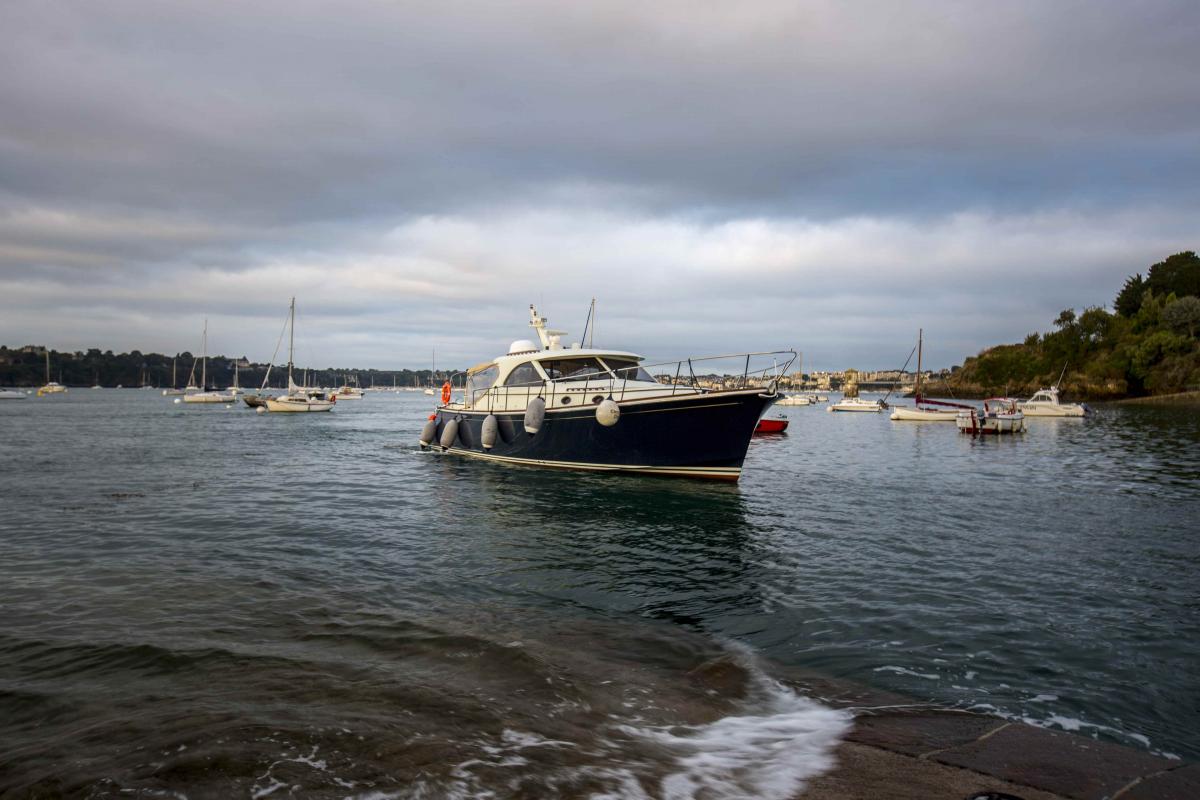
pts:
pixel 703 436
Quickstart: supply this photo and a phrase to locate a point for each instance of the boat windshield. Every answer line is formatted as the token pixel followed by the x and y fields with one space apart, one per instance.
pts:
pixel 575 369
pixel 627 369
pixel 482 380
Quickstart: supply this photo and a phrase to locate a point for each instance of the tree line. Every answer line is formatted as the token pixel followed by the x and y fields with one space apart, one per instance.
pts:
pixel 26 366
pixel 1147 344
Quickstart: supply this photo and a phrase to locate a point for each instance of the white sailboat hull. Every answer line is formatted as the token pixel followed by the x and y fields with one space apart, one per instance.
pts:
pixel 209 397
pixel 292 404
pixel 923 414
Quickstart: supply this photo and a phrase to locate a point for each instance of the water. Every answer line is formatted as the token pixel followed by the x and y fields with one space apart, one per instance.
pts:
pixel 210 602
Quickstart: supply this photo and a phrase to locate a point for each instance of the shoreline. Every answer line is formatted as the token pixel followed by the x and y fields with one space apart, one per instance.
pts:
pixel 905 750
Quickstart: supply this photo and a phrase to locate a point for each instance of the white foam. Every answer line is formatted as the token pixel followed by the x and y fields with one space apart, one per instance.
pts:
pixel 767 753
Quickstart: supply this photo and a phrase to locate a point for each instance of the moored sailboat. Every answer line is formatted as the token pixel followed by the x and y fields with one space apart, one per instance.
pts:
pixel 297 398
pixel 51 387
pixel 924 409
pixel 205 396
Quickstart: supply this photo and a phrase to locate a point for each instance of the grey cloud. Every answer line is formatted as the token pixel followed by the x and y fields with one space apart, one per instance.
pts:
pixel 402 165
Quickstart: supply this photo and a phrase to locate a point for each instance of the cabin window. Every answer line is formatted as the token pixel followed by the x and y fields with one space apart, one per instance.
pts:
pixel 628 370
pixel 523 374
pixel 575 369
pixel 481 381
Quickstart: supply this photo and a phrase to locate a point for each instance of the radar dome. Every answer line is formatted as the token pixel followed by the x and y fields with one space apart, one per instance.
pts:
pixel 522 346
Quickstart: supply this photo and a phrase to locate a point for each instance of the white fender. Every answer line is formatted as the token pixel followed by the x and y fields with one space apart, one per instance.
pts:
pixel 491 431
pixel 535 414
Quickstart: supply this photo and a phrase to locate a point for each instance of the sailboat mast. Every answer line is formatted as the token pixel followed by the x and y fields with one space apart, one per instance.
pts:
pixel 204 357
pixel 174 382
pixel 47 365
pixel 291 340
pixel 920 339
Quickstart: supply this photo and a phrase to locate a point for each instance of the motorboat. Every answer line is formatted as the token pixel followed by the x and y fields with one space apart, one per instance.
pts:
pixel 1045 403
pixel 203 396
pixel 298 399
pixel 588 408
pixel 794 400
pixel 856 404
pixel 348 392
pixel 924 409
pixel 770 426
pixel 999 415
pixel 11 394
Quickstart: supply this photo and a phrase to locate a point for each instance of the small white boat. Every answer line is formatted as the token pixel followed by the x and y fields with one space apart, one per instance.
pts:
pixel 998 415
pixel 205 396
pixel 348 392
pixel 1045 403
pixel 794 400
pixel 856 404
pixel 11 394
pixel 297 398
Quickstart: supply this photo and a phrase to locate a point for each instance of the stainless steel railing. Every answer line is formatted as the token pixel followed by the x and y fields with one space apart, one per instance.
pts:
pixel 615 382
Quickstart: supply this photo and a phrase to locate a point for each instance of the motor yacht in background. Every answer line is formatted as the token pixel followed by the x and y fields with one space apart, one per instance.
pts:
pixel 998 415
pixel 851 401
pixel 794 400
pixel 1045 403
pixel 547 405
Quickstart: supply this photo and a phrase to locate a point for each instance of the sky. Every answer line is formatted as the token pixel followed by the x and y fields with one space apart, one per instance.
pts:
pixel 823 176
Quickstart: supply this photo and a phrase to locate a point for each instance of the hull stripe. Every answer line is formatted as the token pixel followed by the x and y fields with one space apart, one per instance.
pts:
pixel 717 473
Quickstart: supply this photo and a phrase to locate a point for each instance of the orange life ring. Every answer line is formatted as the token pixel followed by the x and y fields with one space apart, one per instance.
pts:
pixel 445 392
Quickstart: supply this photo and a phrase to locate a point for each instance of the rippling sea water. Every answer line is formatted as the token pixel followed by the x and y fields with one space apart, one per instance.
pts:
pixel 206 602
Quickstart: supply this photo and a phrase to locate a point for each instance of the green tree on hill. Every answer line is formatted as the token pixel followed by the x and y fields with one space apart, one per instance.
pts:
pixel 1149 345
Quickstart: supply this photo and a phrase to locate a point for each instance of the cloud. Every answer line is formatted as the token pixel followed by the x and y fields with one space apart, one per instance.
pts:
pixel 822 174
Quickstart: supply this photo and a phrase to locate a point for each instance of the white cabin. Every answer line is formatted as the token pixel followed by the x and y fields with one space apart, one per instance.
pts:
pixel 567 377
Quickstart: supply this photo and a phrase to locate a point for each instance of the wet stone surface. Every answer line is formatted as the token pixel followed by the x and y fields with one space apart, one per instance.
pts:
pixel 1066 764
pixel 917 733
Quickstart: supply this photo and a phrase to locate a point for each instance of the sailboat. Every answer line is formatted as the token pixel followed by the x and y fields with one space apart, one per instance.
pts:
pixel 235 389
pixel 924 409
pixel 203 396
pixel 51 387
pixel 297 398
pixel 173 391
pixel 432 375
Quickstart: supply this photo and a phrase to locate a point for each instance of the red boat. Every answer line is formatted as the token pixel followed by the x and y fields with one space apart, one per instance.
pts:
pixel 770 426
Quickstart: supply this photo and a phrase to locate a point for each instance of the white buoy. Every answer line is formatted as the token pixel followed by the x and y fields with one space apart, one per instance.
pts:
pixel 449 433
pixel 260 410
pixel 428 433
pixel 177 400
pixel 491 431
pixel 535 414
pixel 608 412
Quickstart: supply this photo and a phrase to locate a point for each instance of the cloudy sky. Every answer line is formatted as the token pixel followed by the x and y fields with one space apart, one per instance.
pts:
pixel 826 176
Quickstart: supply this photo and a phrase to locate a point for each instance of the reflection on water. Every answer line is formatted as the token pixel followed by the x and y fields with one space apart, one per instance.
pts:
pixel 212 598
